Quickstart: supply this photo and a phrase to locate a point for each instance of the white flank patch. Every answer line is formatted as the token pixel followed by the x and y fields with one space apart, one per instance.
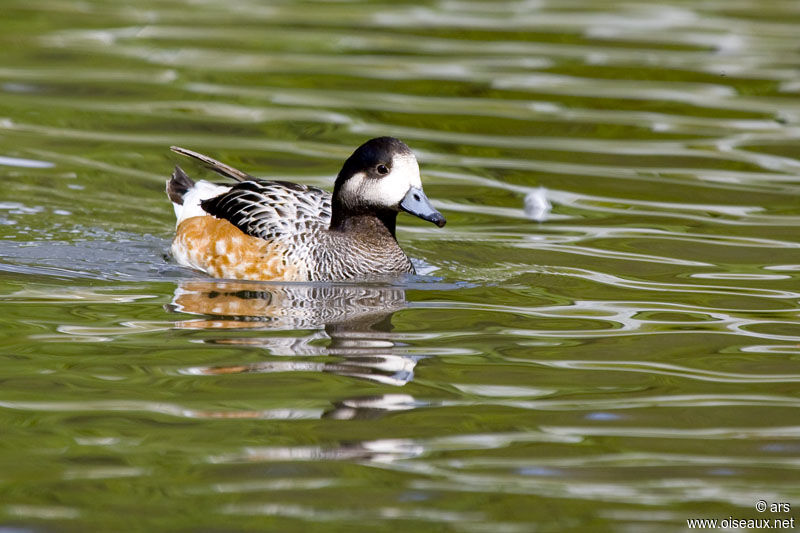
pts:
pixel 221 247
pixel 186 257
pixel 202 190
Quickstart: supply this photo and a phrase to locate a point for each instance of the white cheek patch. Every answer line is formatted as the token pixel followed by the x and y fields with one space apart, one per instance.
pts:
pixel 352 189
pixel 405 168
pixel 388 191
pixel 384 192
pixel 404 175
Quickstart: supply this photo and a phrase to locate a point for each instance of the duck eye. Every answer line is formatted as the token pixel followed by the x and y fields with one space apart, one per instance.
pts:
pixel 382 170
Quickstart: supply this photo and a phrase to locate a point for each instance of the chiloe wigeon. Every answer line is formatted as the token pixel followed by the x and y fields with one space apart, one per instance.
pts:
pixel 283 231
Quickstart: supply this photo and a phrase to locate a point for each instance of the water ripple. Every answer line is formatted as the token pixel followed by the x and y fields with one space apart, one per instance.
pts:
pixel 609 320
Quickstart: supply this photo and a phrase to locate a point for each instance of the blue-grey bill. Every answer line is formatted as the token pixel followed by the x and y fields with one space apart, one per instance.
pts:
pixel 416 203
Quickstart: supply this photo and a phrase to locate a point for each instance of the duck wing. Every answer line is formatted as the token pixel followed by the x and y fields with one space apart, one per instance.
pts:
pixel 272 209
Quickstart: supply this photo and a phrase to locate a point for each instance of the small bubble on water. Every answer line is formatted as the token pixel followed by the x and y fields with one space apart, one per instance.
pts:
pixel 537 206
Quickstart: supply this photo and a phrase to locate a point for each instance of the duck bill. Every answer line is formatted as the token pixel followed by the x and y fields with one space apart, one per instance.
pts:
pixel 416 203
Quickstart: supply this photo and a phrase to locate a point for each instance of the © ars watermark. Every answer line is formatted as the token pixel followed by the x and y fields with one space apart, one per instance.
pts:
pixel 761 522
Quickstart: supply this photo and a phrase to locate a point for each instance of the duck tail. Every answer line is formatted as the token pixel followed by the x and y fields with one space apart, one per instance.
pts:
pixel 218 167
pixel 178 185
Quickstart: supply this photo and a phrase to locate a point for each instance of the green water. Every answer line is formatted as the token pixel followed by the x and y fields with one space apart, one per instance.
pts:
pixel 622 361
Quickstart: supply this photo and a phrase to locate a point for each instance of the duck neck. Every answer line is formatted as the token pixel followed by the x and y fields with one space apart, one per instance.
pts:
pixel 378 224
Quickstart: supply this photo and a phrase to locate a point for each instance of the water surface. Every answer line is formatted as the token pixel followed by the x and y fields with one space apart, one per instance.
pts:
pixel 604 337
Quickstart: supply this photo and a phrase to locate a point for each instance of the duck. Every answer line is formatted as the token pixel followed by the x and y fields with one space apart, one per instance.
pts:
pixel 271 230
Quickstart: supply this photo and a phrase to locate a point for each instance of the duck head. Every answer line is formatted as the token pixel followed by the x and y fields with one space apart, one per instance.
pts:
pixel 382 178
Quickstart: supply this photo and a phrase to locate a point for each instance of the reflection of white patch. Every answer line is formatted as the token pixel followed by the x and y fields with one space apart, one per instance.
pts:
pixel 202 190
pixel 388 191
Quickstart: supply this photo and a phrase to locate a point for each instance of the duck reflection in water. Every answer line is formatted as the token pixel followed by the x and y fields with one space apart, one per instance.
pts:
pixel 350 322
